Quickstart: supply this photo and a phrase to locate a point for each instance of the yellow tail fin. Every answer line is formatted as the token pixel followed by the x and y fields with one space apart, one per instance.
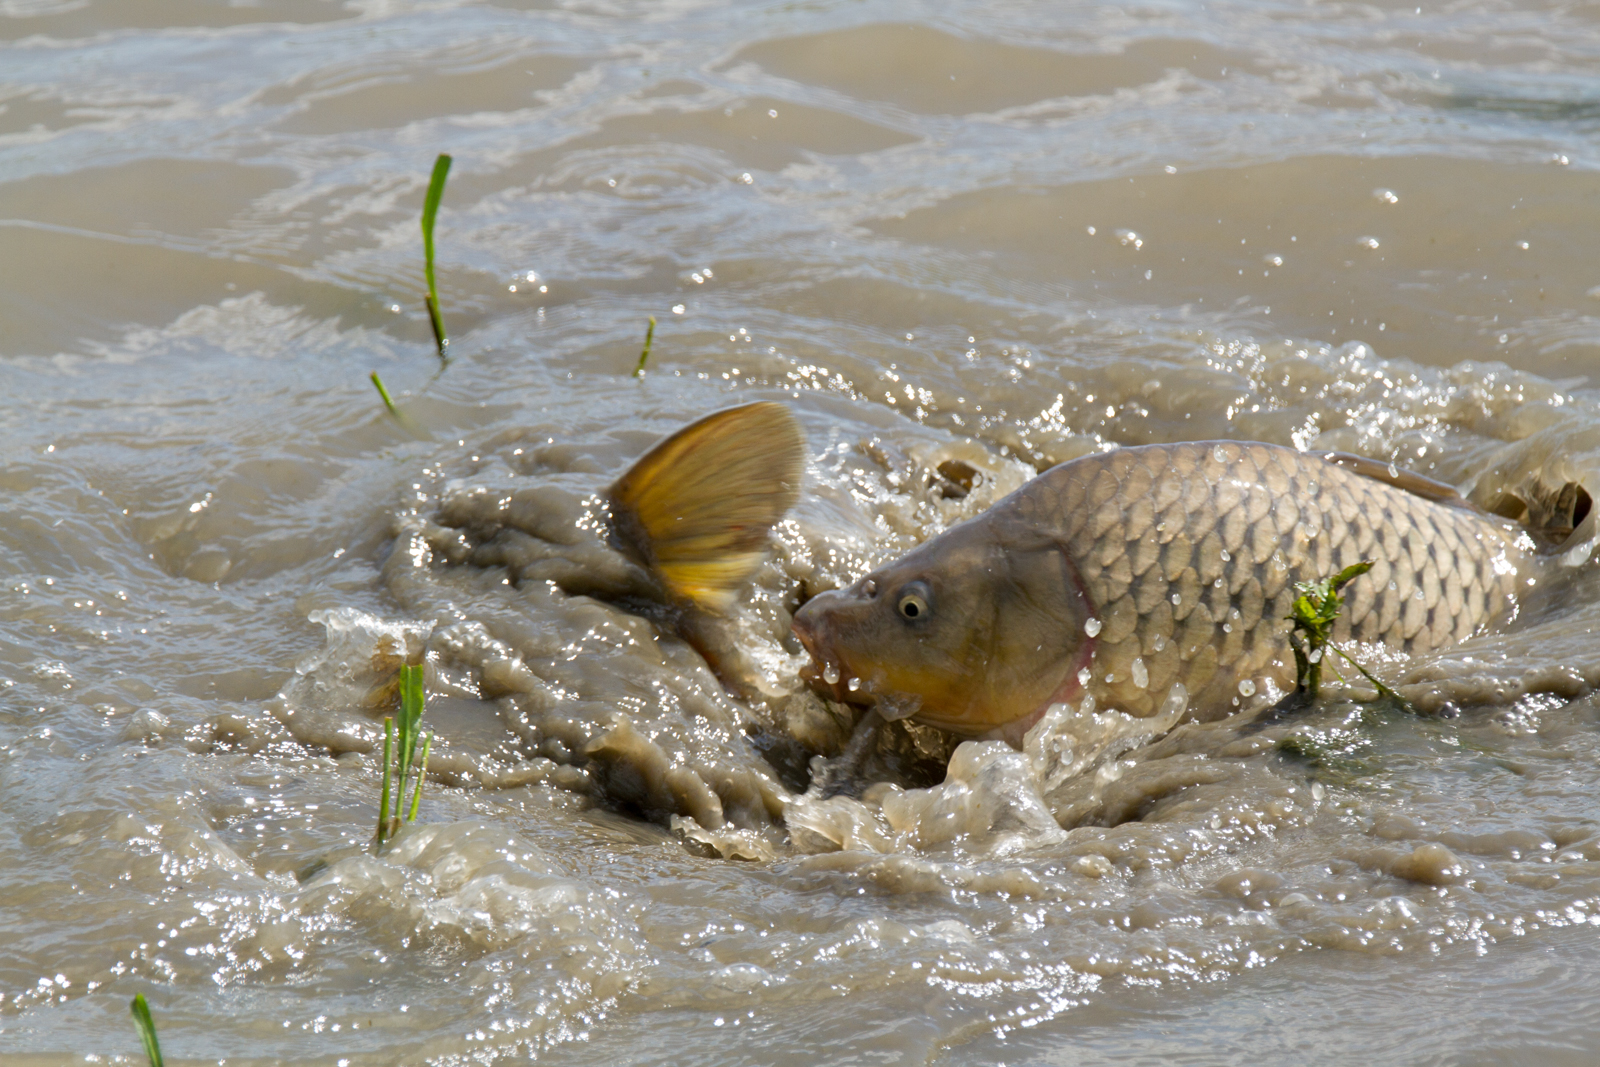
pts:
pixel 697 508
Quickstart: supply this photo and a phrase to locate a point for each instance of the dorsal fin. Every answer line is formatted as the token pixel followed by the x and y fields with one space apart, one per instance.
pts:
pixel 1410 481
pixel 697 508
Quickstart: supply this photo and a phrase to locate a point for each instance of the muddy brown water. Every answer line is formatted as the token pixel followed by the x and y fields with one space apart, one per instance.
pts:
pixel 988 238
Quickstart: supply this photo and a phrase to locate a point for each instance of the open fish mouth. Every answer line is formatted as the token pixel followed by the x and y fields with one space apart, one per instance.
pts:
pixel 826 672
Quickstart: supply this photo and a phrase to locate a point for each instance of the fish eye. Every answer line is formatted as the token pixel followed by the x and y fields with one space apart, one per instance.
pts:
pixel 913 602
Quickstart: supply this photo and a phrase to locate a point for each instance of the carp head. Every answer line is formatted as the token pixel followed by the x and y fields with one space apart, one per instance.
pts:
pixel 976 632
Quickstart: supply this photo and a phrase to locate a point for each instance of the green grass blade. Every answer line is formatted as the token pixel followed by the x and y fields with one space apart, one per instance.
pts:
pixel 388 774
pixel 147 1029
pixel 413 698
pixel 430 211
pixel 422 773
pixel 649 335
pixel 387 401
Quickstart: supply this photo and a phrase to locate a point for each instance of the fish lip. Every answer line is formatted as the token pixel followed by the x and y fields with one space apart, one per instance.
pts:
pixel 805 628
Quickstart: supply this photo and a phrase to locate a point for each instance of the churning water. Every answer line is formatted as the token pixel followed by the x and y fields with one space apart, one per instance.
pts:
pixel 983 237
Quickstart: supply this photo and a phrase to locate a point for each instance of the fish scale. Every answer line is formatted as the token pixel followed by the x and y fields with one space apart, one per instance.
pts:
pixel 1199 596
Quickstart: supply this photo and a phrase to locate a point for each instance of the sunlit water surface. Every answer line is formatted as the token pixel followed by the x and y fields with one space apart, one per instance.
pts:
pixel 1001 234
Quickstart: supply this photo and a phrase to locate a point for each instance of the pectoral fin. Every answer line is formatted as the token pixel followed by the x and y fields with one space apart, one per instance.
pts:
pixel 698 507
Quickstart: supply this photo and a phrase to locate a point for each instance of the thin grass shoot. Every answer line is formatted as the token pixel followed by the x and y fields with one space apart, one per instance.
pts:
pixel 430 211
pixel 401 758
pixel 1312 617
pixel 649 335
pixel 147 1029
pixel 388 401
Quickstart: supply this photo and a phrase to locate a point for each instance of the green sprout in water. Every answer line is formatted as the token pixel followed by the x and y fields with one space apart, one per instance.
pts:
pixel 1316 608
pixel 400 759
pixel 430 211
pixel 147 1029
pixel 388 402
pixel 649 335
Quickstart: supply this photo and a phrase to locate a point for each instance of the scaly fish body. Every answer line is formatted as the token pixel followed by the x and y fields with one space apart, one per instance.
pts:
pixel 1158 579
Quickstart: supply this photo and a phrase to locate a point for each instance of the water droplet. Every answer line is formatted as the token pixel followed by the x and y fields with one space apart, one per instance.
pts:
pixel 1177 701
pixel 1084 676
pixel 1092 626
pixel 1141 676
pixel 1316 655
pixel 1247 688
pixel 830 674
pixel 1217 584
pixel 1367 242
pixel 854 685
pixel 1110 677
pixel 1227 627
pixel 1160 643
pixel 1227 557
pixel 1176 599
pixel 1387 196
pixel 1128 237
pixel 1219 454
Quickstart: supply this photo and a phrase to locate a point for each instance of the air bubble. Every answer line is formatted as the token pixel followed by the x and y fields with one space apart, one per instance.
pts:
pixel 1247 688
pixel 1160 643
pixel 1092 626
pixel 1141 676
pixel 1219 454
pixel 1316 655
pixel 1084 676
pixel 1176 599
pixel 854 685
pixel 830 674
pixel 1227 557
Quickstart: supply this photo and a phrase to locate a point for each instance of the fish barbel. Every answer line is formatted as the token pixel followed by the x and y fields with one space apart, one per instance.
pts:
pixel 1158 580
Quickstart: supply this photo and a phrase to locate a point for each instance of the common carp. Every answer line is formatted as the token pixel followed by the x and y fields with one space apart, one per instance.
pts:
pixel 1158 580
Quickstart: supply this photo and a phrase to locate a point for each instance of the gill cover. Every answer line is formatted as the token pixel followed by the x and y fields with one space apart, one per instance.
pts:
pixel 697 508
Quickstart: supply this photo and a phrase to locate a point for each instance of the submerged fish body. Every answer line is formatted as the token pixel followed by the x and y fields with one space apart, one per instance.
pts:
pixel 1157 579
